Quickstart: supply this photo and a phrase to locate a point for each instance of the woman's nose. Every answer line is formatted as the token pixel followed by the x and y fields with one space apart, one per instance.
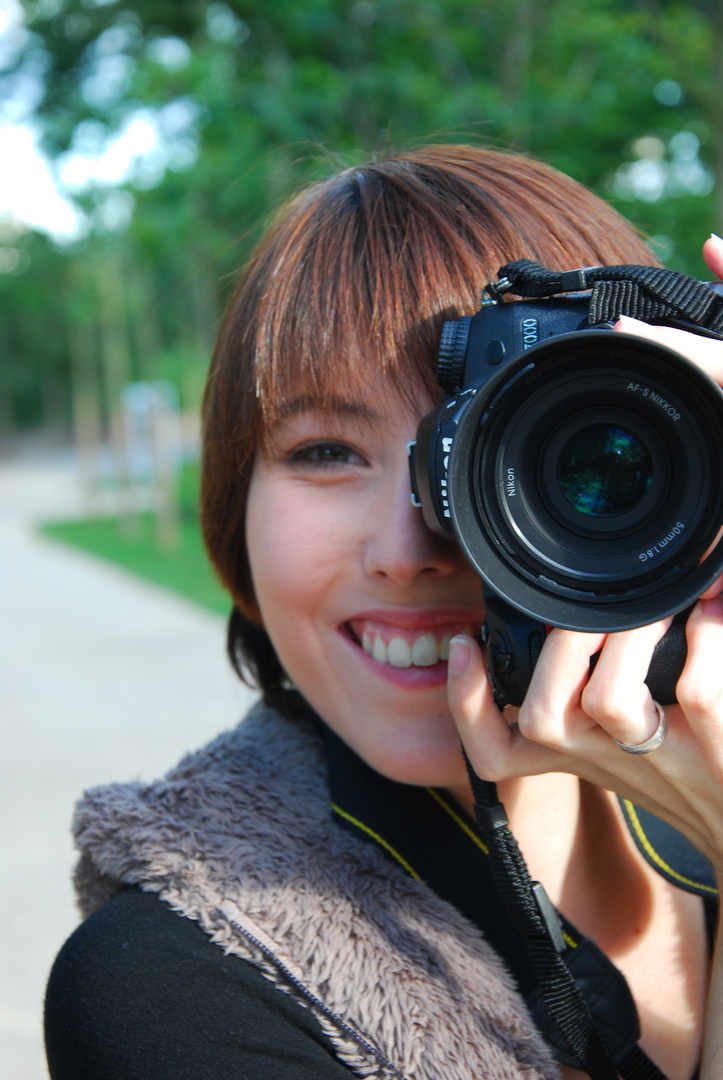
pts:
pixel 400 546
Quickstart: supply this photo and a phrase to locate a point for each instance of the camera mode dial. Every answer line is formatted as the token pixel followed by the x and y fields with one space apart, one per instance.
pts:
pixel 452 351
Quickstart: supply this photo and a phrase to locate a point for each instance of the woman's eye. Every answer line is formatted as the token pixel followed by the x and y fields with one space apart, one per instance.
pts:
pixel 327 453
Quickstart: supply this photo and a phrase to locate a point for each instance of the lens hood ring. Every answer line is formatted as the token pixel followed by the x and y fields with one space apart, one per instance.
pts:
pixel 667 583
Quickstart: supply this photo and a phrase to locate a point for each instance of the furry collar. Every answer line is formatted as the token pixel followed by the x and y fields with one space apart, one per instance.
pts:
pixel 239 837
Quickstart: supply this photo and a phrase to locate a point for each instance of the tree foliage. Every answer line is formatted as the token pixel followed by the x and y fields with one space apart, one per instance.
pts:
pixel 250 99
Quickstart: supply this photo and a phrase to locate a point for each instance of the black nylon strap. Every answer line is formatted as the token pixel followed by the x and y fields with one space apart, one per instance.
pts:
pixel 643 292
pixel 563 999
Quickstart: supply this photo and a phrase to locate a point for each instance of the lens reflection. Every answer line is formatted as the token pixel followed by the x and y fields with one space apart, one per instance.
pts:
pixel 604 470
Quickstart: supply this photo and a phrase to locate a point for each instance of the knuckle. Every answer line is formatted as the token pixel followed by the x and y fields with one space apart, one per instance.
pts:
pixel 494 771
pixel 600 701
pixel 699 695
pixel 609 705
pixel 539 725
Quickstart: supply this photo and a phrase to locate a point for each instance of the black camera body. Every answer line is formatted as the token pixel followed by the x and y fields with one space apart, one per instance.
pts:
pixel 581 471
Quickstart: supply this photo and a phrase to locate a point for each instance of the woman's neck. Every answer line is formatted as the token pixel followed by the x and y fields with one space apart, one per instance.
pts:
pixel 543 812
pixel 544 816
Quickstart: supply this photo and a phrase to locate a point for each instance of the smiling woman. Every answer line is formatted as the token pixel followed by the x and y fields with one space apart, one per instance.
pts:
pixel 337 558
pixel 354 283
pixel 325 853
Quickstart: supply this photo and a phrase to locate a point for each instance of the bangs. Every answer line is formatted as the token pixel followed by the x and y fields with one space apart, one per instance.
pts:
pixel 363 269
pixel 359 287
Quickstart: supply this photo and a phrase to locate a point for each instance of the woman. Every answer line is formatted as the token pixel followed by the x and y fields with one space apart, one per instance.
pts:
pixel 327 845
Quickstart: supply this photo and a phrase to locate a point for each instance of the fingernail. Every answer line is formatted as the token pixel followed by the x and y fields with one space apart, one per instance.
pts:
pixel 715 236
pixel 628 323
pixel 459 655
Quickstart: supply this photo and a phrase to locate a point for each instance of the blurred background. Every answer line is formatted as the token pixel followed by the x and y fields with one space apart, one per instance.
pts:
pixel 168 130
pixel 143 147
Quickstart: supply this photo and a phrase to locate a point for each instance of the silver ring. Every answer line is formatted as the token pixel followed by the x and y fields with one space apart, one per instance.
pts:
pixel 655 740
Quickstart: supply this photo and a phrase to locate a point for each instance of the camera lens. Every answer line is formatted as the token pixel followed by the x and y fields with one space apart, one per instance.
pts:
pixel 584 481
pixel 604 470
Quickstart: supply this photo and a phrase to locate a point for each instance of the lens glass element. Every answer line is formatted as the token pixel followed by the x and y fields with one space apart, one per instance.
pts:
pixel 604 470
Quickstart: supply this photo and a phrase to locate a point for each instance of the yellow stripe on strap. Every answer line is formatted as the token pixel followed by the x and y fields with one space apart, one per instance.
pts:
pixel 642 837
pixel 379 839
pixel 483 847
pixel 458 821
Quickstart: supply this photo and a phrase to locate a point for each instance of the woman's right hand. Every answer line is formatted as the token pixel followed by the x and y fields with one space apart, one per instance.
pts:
pixel 572 722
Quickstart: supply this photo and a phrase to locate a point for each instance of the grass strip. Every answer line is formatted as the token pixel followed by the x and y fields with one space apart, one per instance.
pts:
pixel 183 569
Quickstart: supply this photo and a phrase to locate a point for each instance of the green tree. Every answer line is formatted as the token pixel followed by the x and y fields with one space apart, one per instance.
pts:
pixel 250 99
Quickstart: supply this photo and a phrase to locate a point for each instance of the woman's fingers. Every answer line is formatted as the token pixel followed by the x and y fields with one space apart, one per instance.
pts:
pixel 700 687
pixel 581 717
pixel 616 696
pixel 713 254
pixel 570 719
pixel 494 744
pixel 566 713
pixel 717 586
pixel 706 352
pixel 551 712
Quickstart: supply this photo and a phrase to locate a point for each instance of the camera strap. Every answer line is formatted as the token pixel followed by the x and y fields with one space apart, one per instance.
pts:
pixel 603 1056
pixel 650 293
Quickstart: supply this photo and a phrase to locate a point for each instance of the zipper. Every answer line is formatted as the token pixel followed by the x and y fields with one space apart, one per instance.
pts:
pixel 316 1002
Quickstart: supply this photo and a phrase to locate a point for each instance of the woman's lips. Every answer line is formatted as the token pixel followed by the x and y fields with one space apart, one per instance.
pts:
pixel 408 646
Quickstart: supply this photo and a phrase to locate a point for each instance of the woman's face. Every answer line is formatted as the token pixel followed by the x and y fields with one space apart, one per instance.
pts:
pixel 357 595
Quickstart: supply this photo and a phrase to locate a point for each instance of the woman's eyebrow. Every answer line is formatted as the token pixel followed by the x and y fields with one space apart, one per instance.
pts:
pixel 333 404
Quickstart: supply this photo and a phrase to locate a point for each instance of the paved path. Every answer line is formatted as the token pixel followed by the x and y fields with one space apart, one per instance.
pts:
pixel 101 678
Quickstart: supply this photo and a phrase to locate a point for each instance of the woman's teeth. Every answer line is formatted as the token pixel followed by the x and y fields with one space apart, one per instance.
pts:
pixel 424 651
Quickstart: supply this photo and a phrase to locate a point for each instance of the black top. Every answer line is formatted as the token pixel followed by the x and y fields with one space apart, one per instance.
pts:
pixel 139 992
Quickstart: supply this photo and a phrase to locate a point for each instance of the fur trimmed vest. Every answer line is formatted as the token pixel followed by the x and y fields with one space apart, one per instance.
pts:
pixel 240 838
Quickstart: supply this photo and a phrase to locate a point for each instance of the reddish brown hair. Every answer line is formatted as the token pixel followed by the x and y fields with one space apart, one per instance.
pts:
pixel 358 273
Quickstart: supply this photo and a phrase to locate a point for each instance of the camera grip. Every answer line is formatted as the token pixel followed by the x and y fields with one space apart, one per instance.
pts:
pixel 514 642
pixel 668 660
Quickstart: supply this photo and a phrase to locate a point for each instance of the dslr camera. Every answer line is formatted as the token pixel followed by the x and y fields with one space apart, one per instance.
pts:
pixel 579 469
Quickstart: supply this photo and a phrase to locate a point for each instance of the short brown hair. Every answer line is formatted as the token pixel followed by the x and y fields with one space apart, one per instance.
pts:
pixel 359 270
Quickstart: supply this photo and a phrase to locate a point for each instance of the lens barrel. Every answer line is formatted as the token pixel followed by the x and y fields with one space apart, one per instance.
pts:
pixel 584 481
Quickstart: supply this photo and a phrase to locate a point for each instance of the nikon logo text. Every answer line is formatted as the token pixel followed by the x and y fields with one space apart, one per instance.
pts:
pixel 655 398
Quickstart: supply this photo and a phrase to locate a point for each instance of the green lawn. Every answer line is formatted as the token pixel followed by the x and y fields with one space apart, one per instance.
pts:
pixel 184 569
